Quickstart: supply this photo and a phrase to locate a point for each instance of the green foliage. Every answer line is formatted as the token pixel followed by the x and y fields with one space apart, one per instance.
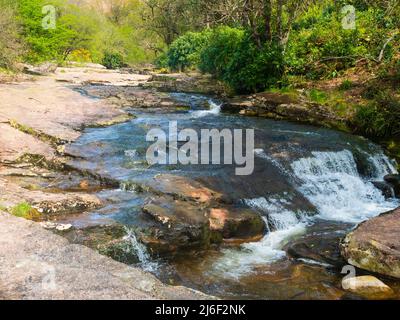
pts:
pixel 380 118
pixel 113 60
pixel 222 45
pixel 25 210
pixel 10 42
pixel 184 52
pixel 232 56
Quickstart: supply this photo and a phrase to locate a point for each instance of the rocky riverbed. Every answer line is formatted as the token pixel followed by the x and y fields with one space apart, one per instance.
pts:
pixel 267 236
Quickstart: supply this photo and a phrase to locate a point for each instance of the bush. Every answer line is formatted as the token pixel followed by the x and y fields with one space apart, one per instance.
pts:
pixel 380 118
pixel 112 60
pixel 233 57
pixel 184 52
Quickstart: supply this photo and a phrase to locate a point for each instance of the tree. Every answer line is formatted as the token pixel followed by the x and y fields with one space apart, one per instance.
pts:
pixel 10 44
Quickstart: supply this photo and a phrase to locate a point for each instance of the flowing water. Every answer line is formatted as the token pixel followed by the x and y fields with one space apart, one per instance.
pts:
pixel 311 185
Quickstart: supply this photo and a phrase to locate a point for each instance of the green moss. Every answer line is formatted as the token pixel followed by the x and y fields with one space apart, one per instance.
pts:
pixel 25 210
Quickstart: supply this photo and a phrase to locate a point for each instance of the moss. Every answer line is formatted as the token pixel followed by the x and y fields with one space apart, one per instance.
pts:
pixel 40 135
pixel 25 210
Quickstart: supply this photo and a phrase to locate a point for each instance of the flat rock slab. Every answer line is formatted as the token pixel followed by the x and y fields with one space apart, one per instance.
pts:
pixel 375 245
pixel 37 264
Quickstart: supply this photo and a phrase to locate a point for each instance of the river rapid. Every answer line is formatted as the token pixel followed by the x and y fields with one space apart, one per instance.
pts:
pixel 311 185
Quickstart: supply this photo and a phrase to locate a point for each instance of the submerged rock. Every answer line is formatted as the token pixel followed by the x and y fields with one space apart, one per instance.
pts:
pixel 368 287
pixel 375 245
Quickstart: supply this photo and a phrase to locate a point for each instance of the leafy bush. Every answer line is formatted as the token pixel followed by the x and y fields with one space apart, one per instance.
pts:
pixel 113 60
pixel 184 52
pixel 233 57
pixel 380 118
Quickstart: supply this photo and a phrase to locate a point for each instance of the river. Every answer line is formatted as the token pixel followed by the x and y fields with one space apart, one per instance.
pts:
pixel 312 185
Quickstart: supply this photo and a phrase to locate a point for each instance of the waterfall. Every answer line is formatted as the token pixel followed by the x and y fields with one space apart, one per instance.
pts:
pixel 331 182
pixel 141 251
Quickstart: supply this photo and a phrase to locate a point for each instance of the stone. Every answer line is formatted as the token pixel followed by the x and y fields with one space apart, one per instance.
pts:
pixel 368 287
pixel 237 223
pixel 375 245
pixel 184 188
pixel 179 225
pixel 394 181
pixel 385 187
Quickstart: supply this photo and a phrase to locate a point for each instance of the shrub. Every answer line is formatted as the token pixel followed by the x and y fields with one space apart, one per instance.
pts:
pixel 380 118
pixel 184 52
pixel 233 57
pixel 112 60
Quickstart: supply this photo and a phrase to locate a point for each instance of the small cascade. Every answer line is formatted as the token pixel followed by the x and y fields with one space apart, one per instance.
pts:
pixel 331 182
pixel 215 109
pixel 141 251
pixel 283 225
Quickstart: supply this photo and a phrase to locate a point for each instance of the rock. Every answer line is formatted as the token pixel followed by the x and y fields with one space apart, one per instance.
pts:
pixel 179 225
pixel 385 188
pixel 56 226
pixel 368 287
pixel 237 223
pixel 283 107
pixel 184 188
pixel 394 181
pixel 375 245
pixel 32 256
pixel 42 69
pixel 319 245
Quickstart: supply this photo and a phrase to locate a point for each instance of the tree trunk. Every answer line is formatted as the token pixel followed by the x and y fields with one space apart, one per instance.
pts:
pixel 267 20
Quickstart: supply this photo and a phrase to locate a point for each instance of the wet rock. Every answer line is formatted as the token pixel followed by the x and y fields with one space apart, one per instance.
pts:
pixel 394 181
pixel 375 245
pixel 236 223
pixel 385 188
pixel 368 287
pixel 184 188
pixel 319 246
pixel 180 225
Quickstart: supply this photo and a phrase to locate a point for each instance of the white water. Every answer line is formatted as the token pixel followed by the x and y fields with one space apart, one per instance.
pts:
pixel 214 110
pixel 141 252
pixel 331 182
pixel 286 224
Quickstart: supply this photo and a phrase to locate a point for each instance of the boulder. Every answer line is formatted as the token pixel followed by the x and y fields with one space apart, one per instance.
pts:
pixel 41 70
pixel 385 187
pixel 178 225
pixel 236 223
pixel 368 287
pixel 375 245
pixel 394 181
